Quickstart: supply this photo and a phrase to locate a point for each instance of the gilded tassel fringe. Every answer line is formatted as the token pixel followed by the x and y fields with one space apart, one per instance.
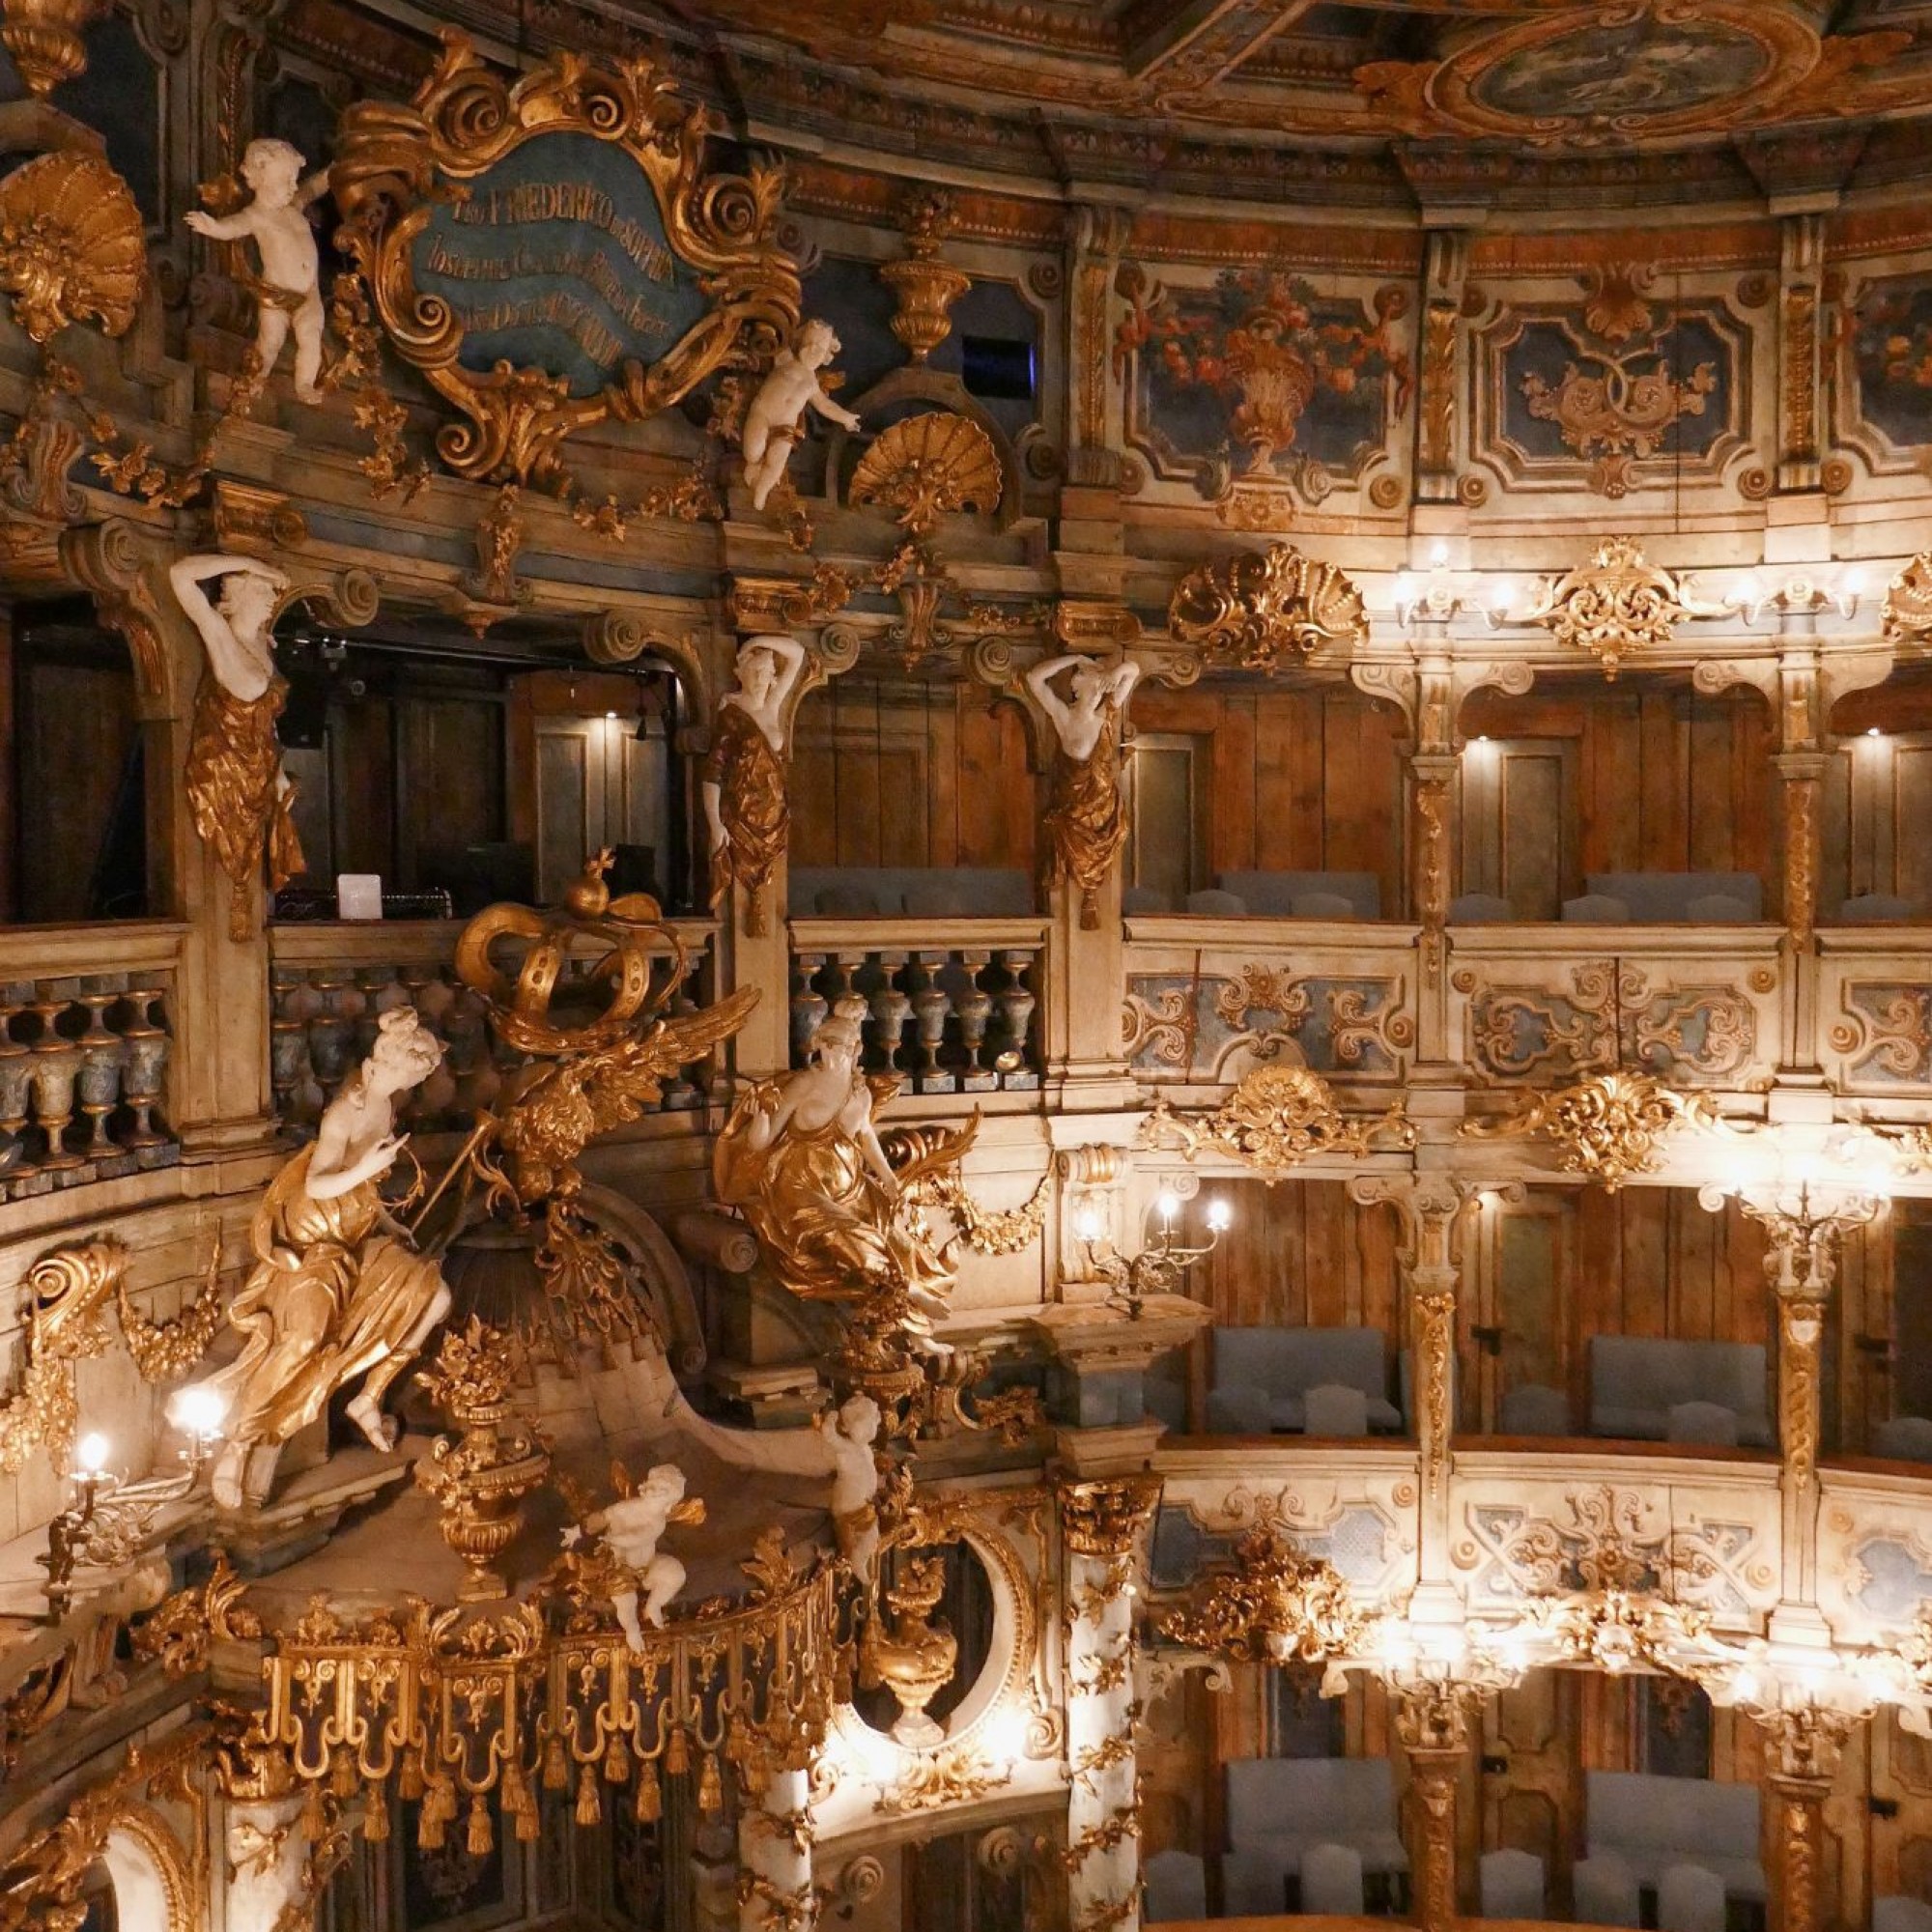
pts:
pixel 589 1807
pixel 409 1780
pixel 555 1766
pixel 710 1787
pixel 376 1817
pixel 650 1799
pixel 678 1754
pixel 616 1761
pixel 482 1837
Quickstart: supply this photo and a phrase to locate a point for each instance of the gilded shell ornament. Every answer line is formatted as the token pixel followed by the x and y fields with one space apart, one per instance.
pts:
pixel 71 245
pixel 926 465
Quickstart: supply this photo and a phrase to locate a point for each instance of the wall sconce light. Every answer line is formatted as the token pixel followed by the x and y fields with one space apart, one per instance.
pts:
pixel 1436 598
pixel 1161 1267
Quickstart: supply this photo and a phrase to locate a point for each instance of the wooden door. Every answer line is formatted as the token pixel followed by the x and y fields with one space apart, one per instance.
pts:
pixel 1911 1309
pixel 1165 841
pixel 1900 1805
pixel 1519 813
pixel 1530 1788
pixel 597 784
pixel 1525 1266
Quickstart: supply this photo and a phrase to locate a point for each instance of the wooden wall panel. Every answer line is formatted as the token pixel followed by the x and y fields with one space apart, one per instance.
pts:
pixel 1668 780
pixel 1302 1255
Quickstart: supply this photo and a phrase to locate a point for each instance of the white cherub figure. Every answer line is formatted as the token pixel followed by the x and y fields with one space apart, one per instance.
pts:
pixel 849 1436
pixel 630 1529
pixel 289 290
pixel 772 423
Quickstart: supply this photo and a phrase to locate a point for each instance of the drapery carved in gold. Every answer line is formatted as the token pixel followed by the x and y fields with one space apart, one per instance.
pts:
pixel 395 162
pixel 1261 611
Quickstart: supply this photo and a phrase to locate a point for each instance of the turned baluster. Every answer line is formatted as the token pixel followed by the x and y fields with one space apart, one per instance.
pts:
pixel 975 1008
pixel 329 1032
pixel 146 1043
pixel 56 1063
pixel 101 1054
pixel 890 1011
pixel 16 1077
pixel 288 1039
pixel 931 1005
pixel 809 1006
pixel 1017 1060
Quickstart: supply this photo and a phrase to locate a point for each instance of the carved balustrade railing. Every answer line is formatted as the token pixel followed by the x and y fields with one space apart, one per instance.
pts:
pixel 1206 998
pixel 1543 1007
pixel 953 1004
pixel 84 1054
pixel 331 984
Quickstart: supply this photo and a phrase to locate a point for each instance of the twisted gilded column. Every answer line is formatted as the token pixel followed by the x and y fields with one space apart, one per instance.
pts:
pixel 1802 1749
pixel 1101 1526
pixel 1432 1723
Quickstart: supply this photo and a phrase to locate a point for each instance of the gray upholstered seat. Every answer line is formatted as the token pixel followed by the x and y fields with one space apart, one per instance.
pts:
pixel 1254 1882
pixel 1321 905
pixel 1176 1887
pixel 1239 1410
pixel 1333 1410
pixel 1887 906
pixel 1664 898
pixel 1718 909
pixel 1331 1879
pixel 1908 1439
pixel 1273 894
pixel 1145 899
pixel 1595 909
pixel 934 898
pixel 1479 909
pixel 1534 1409
pixel 1652 1822
pixel 1605 1892
pixel 1213 905
pixel 1690 1898
pixel 979 891
pixel 1284 1363
pixel 1709 1422
pixel 1901 1914
pixel 1636 1381
pixel 1281 1806
pixel 1510 1885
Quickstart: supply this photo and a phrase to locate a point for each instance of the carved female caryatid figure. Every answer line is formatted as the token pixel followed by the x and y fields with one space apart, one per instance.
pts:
pixel 1086 822
pixel 240 796
pixel 338 1290
pixel 744 779
pixel 801 1158
pixel 773 420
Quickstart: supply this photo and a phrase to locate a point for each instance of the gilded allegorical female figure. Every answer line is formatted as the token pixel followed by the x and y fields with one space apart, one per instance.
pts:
pixel 240 796
pixel 337 1291
pixel 1086 822
pixel 744 779
pixel 801 1158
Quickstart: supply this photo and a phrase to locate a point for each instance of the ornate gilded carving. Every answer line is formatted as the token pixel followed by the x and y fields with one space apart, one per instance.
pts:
pixel 184 1630
pixel 1086 821
pixel 1606 1127
pixel 1277 1118
pixel 45 37
pixel 915 1656
pixel 716 285
pixel 927 466
pixel 1106 1518
pixel 743 782
pixel 480 1476
pixel 1908 602
pixel 1616 605
pixel 71 245
pixel 67 1291
pixel 924 287
pixel 1261 611
pixel 243 801
pixel 1276 1606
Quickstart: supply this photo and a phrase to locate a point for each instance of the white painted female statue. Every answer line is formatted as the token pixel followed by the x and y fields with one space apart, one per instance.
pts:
pixel 772 423
pixel 744 775
pixel 288 293
pixel 1086 822
pixel 241 798
pixel 337 1291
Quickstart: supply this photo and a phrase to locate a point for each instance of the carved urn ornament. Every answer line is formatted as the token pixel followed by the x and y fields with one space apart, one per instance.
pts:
pixel 915 1659
pixel 44 39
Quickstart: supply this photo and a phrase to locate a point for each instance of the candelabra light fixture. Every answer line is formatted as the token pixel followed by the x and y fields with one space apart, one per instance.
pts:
pixel 1161 1267
pixel 1436 596
pixel 106 1518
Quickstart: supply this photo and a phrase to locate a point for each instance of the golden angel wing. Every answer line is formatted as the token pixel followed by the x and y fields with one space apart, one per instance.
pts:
pixel 624 1079
pixel 916 1152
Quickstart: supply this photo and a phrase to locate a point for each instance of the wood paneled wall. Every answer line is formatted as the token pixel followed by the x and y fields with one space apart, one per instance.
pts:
pixel 1665 779
pixel 1302 780
pixel 1301 1255
pixel 904 773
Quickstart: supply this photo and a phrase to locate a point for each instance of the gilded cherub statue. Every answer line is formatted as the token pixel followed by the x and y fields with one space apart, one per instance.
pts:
pixel 744 777
pixel 772 423
pixel 802 1160
pixel 1086 822
pixel 288 292
pixel 338 1290
pixel 241 798
pixel 630 1529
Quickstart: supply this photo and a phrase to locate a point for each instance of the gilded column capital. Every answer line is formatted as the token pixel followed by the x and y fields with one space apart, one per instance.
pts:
pixel 1106 1518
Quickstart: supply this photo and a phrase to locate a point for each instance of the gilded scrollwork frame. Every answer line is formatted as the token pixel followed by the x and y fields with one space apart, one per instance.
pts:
pixel 397 162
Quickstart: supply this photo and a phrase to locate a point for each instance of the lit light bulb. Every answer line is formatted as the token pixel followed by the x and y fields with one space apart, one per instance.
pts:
pixel 1219 1215
pixel 198 1410
pixel 1087 1223
pixel 91 1453
pixel 1404 591
pixel 1502 596
pixel 609 713
pixel 1167 1207
pixel 1439 554
pixel 1872 732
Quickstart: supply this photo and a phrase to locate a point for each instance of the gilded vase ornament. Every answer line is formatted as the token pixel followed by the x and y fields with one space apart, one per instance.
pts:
pixel 924 286
pixel 72 247
pixel 1086 822
pixel 1616 605
pixel 914 1658
pixel 1261 611
pixel 928 465
pixel 743 780
pixel 337 1291
pixel 801 1160
pixel 241 798
pixel 680 270
pixel 288 287
pixel 773 420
